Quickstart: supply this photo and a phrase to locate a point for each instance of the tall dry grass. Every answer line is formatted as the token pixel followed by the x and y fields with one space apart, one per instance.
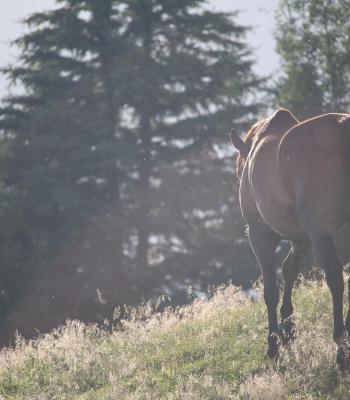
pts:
pixel 212 349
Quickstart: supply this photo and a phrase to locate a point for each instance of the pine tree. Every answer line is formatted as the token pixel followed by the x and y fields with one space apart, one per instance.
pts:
pixel 115 93
pixel 61 132
pixel 313 42
pixel 192 78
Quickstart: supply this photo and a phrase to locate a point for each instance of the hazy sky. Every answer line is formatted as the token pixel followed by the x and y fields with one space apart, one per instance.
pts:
pixel 254 13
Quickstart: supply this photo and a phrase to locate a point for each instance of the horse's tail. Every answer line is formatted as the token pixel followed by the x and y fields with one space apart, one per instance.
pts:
pixel 344 123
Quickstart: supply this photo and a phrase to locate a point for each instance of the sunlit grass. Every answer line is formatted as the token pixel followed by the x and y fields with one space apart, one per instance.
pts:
pixel 210 350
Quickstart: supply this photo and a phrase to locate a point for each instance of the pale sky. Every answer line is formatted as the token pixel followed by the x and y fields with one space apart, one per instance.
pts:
pixel 254 13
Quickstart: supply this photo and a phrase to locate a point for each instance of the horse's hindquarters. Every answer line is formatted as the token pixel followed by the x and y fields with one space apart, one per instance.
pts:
pixel 314 162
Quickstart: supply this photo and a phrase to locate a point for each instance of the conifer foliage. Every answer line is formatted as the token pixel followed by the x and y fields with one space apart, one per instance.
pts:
pixel 112 94
pixel 313 41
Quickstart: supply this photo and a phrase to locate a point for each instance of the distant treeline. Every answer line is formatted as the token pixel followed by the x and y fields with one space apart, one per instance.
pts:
pixel 116 176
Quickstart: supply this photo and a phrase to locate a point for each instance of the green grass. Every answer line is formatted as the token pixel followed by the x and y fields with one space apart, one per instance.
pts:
pixel 209 350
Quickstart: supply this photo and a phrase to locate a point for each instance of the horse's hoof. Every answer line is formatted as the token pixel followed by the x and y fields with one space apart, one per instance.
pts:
pixel 287 332
pixel 272 353
pixel 343 357
pixel 273 341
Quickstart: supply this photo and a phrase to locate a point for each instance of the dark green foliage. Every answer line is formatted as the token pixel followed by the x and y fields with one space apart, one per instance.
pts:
pixel 313 41
pixel 119 97
pixel 190 80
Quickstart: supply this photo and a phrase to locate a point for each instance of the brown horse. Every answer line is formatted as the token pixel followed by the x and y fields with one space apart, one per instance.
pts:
pixel 295 185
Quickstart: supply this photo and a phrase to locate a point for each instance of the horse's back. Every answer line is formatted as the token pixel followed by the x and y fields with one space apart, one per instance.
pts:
pixel 314 161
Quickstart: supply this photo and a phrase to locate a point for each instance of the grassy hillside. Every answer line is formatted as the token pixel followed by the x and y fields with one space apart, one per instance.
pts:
pixel 209 350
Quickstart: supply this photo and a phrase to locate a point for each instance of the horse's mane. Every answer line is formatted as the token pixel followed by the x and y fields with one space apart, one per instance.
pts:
pixel 277 124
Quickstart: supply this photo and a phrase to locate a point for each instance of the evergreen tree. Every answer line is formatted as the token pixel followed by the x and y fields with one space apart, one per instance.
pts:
pixel 202 240
pixel 61 133
pixel 313 40
pixel 116 95
pixel 192 78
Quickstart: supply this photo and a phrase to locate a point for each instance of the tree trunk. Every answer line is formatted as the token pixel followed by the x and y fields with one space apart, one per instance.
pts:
pixel 145 163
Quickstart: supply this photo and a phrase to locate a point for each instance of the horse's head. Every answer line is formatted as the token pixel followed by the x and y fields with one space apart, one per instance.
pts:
pixel 277 124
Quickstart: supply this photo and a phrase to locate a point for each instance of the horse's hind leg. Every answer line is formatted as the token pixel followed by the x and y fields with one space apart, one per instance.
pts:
pixel 347 323
pixel 263 242
pixel 290 271
pixel 325 254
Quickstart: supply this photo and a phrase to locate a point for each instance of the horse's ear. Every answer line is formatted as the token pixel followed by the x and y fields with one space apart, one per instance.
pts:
pixel 238 143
